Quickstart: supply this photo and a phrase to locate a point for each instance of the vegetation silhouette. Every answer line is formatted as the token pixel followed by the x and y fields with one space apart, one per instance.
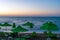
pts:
pixel 14 25
pixel 34 34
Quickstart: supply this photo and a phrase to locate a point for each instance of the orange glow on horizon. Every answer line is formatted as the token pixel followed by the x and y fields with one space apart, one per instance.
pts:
pixel 24 14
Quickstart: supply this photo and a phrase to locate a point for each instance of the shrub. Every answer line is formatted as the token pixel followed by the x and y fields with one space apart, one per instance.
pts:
pixel 34 34
pixel 14 25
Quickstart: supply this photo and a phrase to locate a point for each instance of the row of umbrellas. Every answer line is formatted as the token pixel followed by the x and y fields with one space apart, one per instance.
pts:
pixel 49 26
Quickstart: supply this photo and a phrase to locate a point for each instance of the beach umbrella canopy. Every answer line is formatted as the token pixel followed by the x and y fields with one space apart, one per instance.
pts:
pixel 50 26
pixel 19 29
pixel 5 24
pixel 29 24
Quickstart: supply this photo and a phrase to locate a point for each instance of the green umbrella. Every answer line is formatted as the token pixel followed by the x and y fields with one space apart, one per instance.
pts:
pixel 19 29
pixel 5 24
pixel 49 26
pixel 29 24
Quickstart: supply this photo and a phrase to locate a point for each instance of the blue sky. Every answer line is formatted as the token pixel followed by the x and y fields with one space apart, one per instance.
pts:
pixel 30 7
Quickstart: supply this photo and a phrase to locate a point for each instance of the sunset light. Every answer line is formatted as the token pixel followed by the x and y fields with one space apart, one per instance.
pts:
pixel 29 8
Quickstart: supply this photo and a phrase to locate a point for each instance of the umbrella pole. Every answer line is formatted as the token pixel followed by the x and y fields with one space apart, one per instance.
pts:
pixel 18 35
pixel 48 35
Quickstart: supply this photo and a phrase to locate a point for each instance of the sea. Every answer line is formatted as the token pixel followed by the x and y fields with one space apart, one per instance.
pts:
pixel 37 21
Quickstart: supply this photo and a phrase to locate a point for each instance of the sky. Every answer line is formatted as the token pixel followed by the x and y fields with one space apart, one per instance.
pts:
pixel 29 7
